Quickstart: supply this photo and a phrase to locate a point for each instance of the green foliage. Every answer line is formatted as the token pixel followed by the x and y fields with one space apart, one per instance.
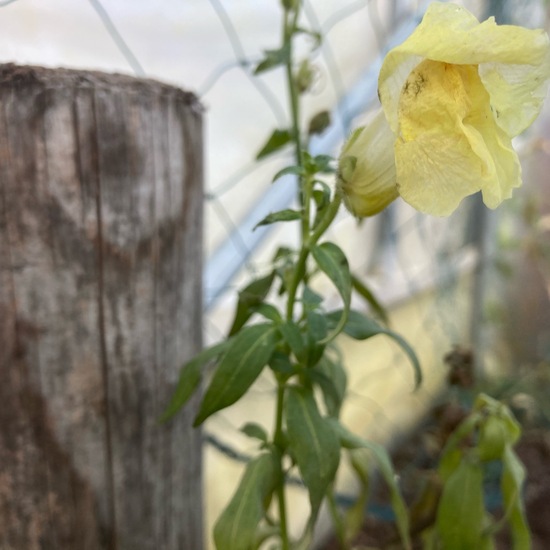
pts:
pixel 461 514
pixel 378 309
pixel 190 378
pixel 333 262
pixel 250 298
pixel 331 378
pixel 255 431
pixel 312 442
pixel 383 461
pixel 276 141
pixel 462 520
pixel 243 362
pixel 361 327
pixel 237 527
pixel 280 216
pixel 294 342
pixel 273 59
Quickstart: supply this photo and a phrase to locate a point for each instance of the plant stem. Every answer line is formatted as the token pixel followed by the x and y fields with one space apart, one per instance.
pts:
pixel 289 29
pixel 307 245
pixel 279 442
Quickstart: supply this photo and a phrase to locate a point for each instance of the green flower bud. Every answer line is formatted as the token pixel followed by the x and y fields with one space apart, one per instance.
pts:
pixel 366 168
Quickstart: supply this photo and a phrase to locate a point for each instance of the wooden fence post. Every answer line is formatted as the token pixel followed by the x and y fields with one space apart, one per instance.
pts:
pixel 100 302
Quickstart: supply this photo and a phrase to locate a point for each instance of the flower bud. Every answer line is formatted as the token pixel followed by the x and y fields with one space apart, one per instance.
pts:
pixel 366 168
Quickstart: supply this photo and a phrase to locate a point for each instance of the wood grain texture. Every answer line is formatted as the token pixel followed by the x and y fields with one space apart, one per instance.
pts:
pixel 100 302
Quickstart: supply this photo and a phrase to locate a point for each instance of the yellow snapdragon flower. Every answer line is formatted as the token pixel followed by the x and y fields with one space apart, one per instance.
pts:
pixel 454 94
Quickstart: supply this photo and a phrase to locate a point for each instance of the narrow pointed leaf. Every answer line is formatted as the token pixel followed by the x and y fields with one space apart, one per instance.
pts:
pixel 355 515
pixel 281 216
pixel 251 429
pixel 277 140
pixel 292 335
pixel 237 527
pixel 382 458
pixel 316 332
pixel 361 327
pixel 289 170
pixel 313 444
pixel 332 379
pixel 333 262
pixel 269 312
pixel 250 297
pixel 370 298
pixel 461 513
pixel 272 59
pixel 190 377
pixel 248 353
pixel 513 477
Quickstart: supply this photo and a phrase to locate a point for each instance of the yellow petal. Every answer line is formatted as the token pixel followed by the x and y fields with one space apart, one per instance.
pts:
pixel 449 144
pixel 450 34
pixel 502 170
pixel 367 168
pixel 517 92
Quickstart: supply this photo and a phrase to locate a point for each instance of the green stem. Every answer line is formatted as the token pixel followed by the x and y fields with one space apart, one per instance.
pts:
pixel 289 30
pixel 279 442
pixel 307 245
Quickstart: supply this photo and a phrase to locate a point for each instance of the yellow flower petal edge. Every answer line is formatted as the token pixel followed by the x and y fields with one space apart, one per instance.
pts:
pixel 454 94
pixel 517 59
pixel 367 168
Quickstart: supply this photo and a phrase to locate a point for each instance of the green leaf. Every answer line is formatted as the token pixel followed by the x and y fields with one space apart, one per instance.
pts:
pixel 451 455
pixel 292 335
pixel 355 515
pixel 250 297
pixel 377 308
pixel 312 442
pixel 319 123
pixel 281 364
pixel 281 216
pixel 248 353
pixel 461 514
pixel 236 528
pixel 272 59
pixel 513 477
pixel 310 299
pixel 361 327
pixel 289 170
pixel 190 377
pixel 269 312
pixel 317 329
pixel 324 164
pixel 322 200
pixel 251 429
pixel 277 140
pixel 332 379
pixel 333 262
pixel 351 441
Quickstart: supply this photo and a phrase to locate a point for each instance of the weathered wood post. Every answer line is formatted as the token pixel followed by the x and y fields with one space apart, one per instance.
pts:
pixel 100 302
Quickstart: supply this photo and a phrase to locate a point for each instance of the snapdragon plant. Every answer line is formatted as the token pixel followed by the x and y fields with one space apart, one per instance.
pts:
pixel 437 117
